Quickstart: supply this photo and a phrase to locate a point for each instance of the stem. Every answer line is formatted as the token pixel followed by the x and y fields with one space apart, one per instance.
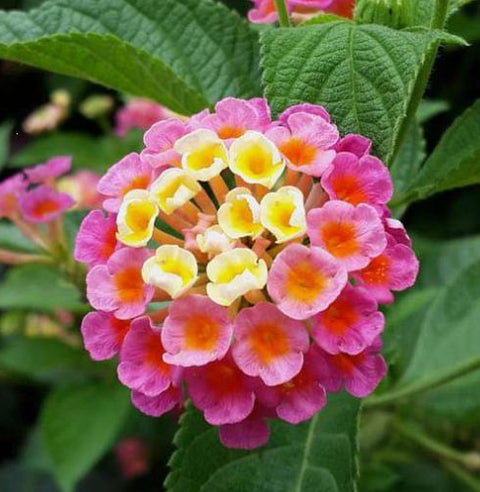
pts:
pixel 438 448
pixel 462 475
pixel 427 385
pixel 438 22
pixel 282 13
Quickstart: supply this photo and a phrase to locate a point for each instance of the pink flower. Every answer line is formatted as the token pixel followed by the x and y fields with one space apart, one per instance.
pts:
pixel 49 171
pixel 128 174
pixel 301 397
pixel 10 191
pixel 117 287
pixel 96 239
pixel 343 8
pixel 358 180
pixel 269 344
pixel 360 374
pixel 395 269
pixel 306 141
pixel 103 334
pixel 196 331
pixel 263 12
pixel 221 391
pixel 303 281
pixel 82 187
pixel 132 455
pixel 312 109
pixel 156 406
pixel 397 230
pixel 159 141
pixel 44 204
pixel 233 117
pixel 353 235
pixel 142 367
pixel 349 324
pixel 248 434
pixel 354 144
pixel 138 113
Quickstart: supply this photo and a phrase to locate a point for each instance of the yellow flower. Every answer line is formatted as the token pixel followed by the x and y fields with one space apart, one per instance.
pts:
pixel 239 216
pixel 136 219
pixel 204 154
pixel 234 273
pixel 172 269
pixel 256 159
pixel 172 189
pixel 283 213
pixel 214 241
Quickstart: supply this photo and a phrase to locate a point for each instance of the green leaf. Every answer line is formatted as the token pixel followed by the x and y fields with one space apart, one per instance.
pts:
pixel 12 239
pixel 43 359
pixel 96 154
pixel 454 163
pixel 449 337
pixel 409 158
pixel 79 424
pixel 429 108
pixel 38 287
pixel 363 74
pixel 185 54
pixel 312 456
pixel 5 130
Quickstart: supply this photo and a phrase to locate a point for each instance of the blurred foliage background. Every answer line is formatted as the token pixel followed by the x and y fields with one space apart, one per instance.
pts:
pixel 33 355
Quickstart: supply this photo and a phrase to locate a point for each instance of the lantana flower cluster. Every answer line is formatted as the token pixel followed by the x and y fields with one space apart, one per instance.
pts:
pixel 265 11
pixel 242 261
pixel 35 200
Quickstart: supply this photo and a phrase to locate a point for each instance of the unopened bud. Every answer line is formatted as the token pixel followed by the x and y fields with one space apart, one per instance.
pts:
pixel 96 106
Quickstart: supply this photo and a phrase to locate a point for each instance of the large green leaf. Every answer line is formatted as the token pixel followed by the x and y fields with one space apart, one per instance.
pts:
pixel 88 152
pixel 79 424
pixel 43 359
pixel 316 455
pixel 38 287
pixel 455 162
pixel 363 74
pixel 184 53
pixel 449 337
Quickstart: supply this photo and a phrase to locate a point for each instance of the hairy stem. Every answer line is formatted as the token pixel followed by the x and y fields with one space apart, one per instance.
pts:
pixel 282 13
pixel 438 22
pixel 413 389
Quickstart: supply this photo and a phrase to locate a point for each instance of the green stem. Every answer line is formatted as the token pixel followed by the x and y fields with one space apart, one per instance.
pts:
pixel 414 433
pixel 282 13
pixel 462 476
pixel 438 22
pixel 427 385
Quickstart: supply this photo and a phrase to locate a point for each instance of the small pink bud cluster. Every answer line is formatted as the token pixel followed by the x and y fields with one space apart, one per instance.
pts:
pixel 246 258
pixel 265 12
pixel 36 198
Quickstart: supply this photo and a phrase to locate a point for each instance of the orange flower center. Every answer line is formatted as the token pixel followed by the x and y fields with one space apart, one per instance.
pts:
pixel 339 238
pixel 347 363
pixel 378 271
pixel 339 317
pixel 298 152
pixel 120 328
pixel 222 378
pixel 155 350
pixel 140 182
pixel 349 189
pixel 129 285
pixel 230 132
pixel 44 208
pixel 304 283
pixel 268 341
pixel 201 333
pixel 110 242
